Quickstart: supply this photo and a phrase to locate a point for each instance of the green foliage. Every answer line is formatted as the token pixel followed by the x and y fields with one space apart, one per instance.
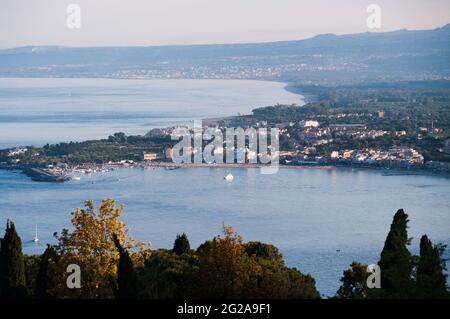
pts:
pixel 116 148
pixel 223 267
pixel 354 282
pixel 91 246
pixel 31 264
pixel 261 250
pixel 45 275
pixel 402 275
pixel 167 275
pixel 126 274
pixel 12 267
pixel 430 277
pixel 181 245
pixel 228 268
pixel 396 262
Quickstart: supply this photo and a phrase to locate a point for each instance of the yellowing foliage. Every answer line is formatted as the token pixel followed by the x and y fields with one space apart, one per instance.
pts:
pixel 91 245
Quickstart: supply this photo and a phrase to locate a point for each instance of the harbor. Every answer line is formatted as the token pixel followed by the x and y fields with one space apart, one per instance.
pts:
pixel 74 173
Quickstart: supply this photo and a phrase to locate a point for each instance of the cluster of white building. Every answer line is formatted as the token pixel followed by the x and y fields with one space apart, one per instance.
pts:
pixel 17 151
pixel 399 156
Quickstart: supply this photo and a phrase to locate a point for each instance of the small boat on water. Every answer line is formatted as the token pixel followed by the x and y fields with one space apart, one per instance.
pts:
pixel 75 178
pixel 171 168
pixel 36 238
pixel 229 177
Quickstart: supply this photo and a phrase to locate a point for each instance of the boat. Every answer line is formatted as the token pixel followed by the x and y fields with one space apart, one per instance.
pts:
pixel 75 178
pixel 229 177
pixel 36 238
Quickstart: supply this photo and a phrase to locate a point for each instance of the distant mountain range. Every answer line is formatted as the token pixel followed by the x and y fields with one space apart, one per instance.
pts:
pixel 328 58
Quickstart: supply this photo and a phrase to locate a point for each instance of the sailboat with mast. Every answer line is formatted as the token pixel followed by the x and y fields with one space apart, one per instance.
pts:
pixel 36 238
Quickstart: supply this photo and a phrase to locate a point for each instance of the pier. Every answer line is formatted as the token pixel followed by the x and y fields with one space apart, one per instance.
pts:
pixel 41 175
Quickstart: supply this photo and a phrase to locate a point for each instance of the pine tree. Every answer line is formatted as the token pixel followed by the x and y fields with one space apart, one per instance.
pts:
pixel 430 277
pixel 12 267
pixel 396 261
pixel 181 245
pixel 44 277
pixel 126 276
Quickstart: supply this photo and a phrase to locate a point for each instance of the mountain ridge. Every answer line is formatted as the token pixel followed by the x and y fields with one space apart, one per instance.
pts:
pixel 394 55
pixel 445 27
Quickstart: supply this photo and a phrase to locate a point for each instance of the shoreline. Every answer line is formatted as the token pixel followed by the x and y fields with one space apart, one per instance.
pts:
pixel 307 97
pixel 73 172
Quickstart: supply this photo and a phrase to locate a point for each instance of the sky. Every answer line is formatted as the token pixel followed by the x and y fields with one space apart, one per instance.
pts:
pixel 161 22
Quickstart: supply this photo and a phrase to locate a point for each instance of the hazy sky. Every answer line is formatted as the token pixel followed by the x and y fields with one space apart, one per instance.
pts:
pixel 156 22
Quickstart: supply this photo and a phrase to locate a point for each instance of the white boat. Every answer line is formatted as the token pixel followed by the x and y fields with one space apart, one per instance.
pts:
pixel 75 178
pixel 229 177
pixel 36 238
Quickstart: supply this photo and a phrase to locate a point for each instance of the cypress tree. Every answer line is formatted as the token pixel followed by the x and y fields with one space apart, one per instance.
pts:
pixel 126 276
pixel 12 267
pixel 44 278
pixel 430 277
pixel 396 260
pixel 181 245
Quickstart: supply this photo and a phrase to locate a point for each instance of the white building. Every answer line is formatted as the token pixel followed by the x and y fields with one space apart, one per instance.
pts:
pixel 309 123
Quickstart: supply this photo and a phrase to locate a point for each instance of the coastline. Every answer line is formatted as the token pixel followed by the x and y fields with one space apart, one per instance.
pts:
pixel 72 172
pixel 39 173
pixel 307 97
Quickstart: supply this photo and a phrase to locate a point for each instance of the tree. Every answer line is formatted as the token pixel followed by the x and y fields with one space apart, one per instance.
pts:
pixel 228 268
pixel 354 282
pixel 181 245
pixel 126 274
pixel 118 138
pixel 258 249
pixel 168 275
pixel 396 261
pixel 31 270
pixel 91 246
pixel 12 267
pixel 430 278
pixel 45 275
pixel 221 267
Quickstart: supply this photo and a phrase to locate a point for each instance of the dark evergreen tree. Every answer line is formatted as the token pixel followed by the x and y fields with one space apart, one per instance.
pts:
pixel 354 282
pixel 430 277
pixel 126 274
pixel 181 245
pixel 44 276
pixel 396 261
pixel 12 267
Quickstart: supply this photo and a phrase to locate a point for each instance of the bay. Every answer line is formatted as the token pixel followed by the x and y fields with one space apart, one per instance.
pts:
pixel 321 220
pixel 50 110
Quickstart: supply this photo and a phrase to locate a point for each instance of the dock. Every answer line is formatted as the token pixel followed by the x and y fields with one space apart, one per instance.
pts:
pixel 42 175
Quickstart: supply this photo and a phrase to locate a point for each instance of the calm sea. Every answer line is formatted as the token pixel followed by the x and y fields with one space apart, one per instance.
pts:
pixel 321 220
pixel 40 111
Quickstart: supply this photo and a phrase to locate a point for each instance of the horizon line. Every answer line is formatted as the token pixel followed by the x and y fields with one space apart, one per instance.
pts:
pixel 215 44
